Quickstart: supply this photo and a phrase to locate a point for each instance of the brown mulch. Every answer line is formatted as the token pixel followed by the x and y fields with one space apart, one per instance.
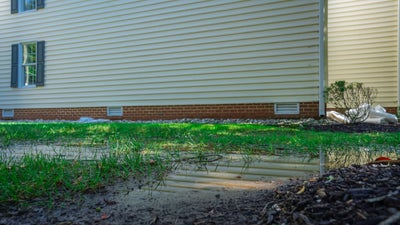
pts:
pixel 367 194
pixel 362 195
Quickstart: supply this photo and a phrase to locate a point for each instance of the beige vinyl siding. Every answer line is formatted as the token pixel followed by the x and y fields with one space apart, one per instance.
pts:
pixel 113 53
pixel 362 45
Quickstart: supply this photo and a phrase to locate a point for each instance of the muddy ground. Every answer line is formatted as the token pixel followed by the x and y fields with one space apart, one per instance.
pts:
pixel 366 194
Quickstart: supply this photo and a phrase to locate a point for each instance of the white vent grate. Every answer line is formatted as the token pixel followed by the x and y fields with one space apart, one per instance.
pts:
pixel 287 108
pixel 7 113
pixel 114 111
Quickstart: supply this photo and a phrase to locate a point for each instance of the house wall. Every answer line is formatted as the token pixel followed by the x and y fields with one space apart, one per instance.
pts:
pixel 168 112
pixel 165 53
pixel 363 46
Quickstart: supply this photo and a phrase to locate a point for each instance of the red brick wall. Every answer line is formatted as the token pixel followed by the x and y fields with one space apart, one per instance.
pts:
pixel 223 111
pixel 392 110
pixel 59 113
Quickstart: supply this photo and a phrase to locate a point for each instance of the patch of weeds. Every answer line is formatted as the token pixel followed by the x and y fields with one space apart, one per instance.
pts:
pixel 48 177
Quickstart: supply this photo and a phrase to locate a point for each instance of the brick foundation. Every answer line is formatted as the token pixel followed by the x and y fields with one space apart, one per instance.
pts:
pixel 392 110
pixel 168 112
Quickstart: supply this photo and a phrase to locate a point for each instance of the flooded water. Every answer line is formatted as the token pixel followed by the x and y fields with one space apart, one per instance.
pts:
pixel 336 158
pixel 211 172
pixel 14 152
pixel 238 172
pixel 193 172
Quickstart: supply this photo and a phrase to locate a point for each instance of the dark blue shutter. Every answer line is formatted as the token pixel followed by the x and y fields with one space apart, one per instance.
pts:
pixel 40 4
pixel 14 6
pixel 40 63
pixel 14 65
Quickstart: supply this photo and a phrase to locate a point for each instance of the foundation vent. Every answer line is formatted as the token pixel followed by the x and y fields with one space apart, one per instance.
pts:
pixel 114 111
pixel 7 113
pixel 287 108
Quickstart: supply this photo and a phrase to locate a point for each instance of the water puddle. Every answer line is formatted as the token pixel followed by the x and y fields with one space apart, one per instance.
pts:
pixel 238 172
pixel 215 172
pixel 16 152
pixel 337 158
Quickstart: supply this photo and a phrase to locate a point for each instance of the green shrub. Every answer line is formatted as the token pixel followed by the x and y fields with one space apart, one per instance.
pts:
pixel 354 100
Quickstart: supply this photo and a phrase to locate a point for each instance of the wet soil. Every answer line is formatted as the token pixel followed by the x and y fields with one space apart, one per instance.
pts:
pixel 359 194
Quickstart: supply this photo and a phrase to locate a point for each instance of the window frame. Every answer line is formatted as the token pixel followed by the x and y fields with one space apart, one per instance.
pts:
pixel 21 4
pixel 21 72
pixel 18 67
pixel 17 6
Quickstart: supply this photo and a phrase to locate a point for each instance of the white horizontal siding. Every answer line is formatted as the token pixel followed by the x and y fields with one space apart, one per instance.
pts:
pixel 113 53
pixel 363 45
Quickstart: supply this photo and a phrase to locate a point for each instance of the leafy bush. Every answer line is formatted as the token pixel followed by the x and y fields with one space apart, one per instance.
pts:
pixel 354 100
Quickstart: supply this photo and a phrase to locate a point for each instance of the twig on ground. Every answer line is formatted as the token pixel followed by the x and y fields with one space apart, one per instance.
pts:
pixel 303 217
pixel 380 198
pixel 394 218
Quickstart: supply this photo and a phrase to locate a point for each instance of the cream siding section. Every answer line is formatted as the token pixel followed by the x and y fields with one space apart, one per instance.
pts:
pixel 113 53
pixel 363 45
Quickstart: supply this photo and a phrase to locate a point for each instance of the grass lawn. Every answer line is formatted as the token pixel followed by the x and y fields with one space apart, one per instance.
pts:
pixel 147 149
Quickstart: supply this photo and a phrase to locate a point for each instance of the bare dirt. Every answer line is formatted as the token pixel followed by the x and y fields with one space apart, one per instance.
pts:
pixel 359 194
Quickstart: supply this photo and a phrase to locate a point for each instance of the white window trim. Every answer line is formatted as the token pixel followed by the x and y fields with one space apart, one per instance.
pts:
pixel 21 78
pixel 21 7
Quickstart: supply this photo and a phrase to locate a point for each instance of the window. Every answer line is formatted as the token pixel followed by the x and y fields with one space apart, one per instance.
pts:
pixel 27 64
pixel 26 5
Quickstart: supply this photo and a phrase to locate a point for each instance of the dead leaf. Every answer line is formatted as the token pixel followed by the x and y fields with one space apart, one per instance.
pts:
pixel 301 190
pixel 77 180
pixel 313 179
pixel 104 217
pixel 321 193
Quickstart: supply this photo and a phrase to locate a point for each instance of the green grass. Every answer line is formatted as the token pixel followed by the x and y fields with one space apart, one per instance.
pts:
pixel 147 149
